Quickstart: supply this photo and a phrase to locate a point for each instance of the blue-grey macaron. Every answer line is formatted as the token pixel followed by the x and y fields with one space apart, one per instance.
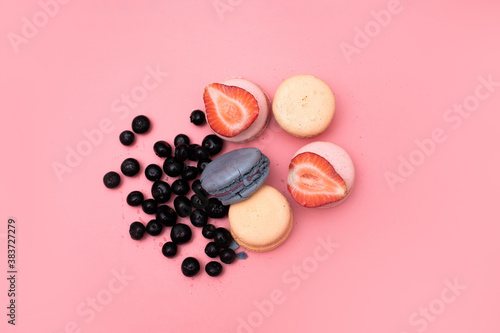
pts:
pixel 236 175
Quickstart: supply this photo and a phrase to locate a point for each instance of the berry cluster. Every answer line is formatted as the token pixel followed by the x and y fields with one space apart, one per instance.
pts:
pixel 199 207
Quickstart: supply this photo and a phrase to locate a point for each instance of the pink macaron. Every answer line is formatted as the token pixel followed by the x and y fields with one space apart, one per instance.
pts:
pixel 237 110
pixel 321 174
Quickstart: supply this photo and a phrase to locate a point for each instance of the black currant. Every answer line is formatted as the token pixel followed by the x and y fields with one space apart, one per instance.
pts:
pixel 181 138
pixel 213 268
pixel 161 191
pixel 199 218
pixel 153 172
pixel 173 167
pixel 166 215
pixel 149 206
pixel 130 167
pixel 111 179
pixel 215 209
pixel 137 230
pixel 169 249
pixel 140 124
pixel 135 198
pixel 222 237
pixel 154 228
pixel 227 256
pixel 213 144
pixel 127 138
pixel 180 233
pixel 162 149
pixel 208 231
pixel 212 250
pixel 190 267
pixel 197 117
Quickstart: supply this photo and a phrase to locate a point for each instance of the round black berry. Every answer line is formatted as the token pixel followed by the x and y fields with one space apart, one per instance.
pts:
pixel 222 237
pixel 180 233
pixel 127 138
pixel 140 124
pixel 137 230
pixel 197 117
pixel 192 148
pixel 173 167
pixel 202 164
pixel 198 201
pixel 227 256
pixel 198 189
pixel 201 153
pixel 181 152
pixel 182 206
pixel 111 179
pixel 215 209
pixel 189 173
pixel 154 228
pixel 149 206
pixel 135 198
pixel 190 266
pixel 213 268
pixel 213 144
pixel 153 172
pixel 162 149
pixel 181 138
pixel 199 218
pixel 180 187
pixel 130 167
pixel 212 250
pixel 166 215
pixel 208 231
pixel 169 249
pixel 161 191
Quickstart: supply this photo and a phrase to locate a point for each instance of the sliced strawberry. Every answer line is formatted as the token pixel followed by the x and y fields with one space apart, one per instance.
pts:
pixel 313 182
pixel 230 110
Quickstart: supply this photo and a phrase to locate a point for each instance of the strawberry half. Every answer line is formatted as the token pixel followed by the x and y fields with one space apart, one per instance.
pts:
pixel 230 110
pixel 313 182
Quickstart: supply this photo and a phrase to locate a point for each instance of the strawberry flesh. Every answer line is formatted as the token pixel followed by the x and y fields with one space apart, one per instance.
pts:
pixel 313 182
pixel 230 110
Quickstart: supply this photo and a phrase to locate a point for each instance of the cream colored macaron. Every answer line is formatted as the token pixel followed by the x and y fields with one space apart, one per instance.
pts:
pixel 262 222
pixel 304 105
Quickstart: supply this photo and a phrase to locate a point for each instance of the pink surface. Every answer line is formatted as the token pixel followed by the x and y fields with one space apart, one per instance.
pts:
pixel 414 249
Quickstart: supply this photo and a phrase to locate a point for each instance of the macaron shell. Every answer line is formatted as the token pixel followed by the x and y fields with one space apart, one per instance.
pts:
pixel 262 222
pixel 235 175
pixel 262 120
pixel 338 158
pixel 304 105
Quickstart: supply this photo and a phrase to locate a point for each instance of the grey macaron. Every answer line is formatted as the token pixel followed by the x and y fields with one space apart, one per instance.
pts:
pixel 236 175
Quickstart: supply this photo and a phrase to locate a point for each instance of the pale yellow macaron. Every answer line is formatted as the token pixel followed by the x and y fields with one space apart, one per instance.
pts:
pixel 262 222
pixel 304 105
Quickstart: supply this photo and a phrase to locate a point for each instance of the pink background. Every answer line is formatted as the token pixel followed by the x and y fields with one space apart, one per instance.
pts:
pixel 398 250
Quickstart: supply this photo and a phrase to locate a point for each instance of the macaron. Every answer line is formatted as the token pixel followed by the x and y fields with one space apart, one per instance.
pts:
pixel 236 175
pixel 304 105
pixel 262 222
pixel 320 174
pixel 237 110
